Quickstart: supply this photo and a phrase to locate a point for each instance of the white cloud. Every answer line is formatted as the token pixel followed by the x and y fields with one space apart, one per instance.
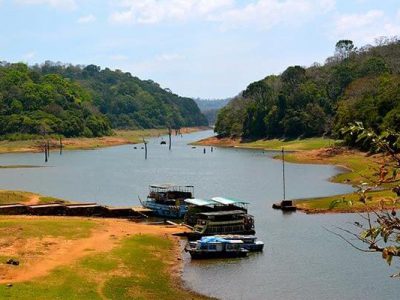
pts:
pixel 227 13
pixel 268 13
pixel 156 11
pixel 59 4
pixel 365 27
pixel 87 19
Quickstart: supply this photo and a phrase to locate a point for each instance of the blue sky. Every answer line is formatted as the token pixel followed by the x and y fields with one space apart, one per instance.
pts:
pixel 197 48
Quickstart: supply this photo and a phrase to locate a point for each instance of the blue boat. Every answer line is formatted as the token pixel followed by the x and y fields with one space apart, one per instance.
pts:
pixel 249 241
pixel 216 247
pixel 167 200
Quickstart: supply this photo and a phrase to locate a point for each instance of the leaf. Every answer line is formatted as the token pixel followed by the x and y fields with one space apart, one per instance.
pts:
pixel 334 203
pixel 389 259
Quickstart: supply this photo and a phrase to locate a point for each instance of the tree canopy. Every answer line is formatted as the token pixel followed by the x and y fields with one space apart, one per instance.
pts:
pixel 86 101
pixel 356 84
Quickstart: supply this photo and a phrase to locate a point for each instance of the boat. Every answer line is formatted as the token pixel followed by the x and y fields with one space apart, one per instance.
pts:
pixel 216 247
pixel 167 200
pixel 218 215
pixel 249 241
pixel 284 205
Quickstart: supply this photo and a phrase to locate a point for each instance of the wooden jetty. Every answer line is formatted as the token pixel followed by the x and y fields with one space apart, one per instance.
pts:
pixel 13 209
pixel 76 210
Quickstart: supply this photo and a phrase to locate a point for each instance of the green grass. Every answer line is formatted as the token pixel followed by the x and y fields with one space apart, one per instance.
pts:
pixel 13 146
pixel 290 145
pixel 359 168
pixel 9 197
pixel 30 228
pixel 373 201
pixel 48 199
pixel 136 269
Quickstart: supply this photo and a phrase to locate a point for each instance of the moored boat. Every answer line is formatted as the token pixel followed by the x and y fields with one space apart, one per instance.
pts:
pixel 218 215
pixel 249 241
pixel 167 200
pixel 216 247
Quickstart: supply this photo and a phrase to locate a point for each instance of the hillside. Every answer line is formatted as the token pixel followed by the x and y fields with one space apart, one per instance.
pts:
pixel 32 103
pixel 86 101
pixel 210 108
pixel 353 85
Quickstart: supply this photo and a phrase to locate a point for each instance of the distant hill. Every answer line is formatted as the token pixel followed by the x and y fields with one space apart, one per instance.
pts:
pixel 128 101
pixel 210 108
pixel 356 84
pixel 86 101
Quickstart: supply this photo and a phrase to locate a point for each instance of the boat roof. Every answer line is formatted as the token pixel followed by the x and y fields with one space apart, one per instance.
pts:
pixel 200 202
pixel 217 239
pixel 236 236
pixel 228 201
pixel 168 186
pixel 223 213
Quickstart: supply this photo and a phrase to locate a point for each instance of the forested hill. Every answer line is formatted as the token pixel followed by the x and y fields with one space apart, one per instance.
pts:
pixel 86 101
pixel 210 108
pixel 128 101
pixel 356 84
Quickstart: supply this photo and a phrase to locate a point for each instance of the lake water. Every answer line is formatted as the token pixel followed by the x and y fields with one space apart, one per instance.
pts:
pixel 301 260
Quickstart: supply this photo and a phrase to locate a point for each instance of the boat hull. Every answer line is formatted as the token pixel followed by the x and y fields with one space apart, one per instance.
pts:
pixel 194 236
pixel 166 211
pixel 217 254
pixel 254 247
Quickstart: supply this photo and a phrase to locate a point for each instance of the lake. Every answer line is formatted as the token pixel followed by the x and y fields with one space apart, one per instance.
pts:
pixel 301 260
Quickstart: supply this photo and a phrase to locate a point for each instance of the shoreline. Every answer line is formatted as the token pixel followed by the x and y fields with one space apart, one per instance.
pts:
pixel 118 228
pixel 354 167
pixel 121 137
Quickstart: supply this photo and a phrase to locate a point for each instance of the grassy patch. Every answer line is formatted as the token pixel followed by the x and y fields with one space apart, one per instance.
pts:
pixel 360 168
pixel 30 228
pixel 374 201
pixel 137 269
pixel 9 197
pixel 48 199
pixel 274 144
pixel 291 145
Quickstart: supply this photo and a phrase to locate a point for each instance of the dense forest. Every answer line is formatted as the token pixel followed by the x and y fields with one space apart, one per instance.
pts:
pixel 54 98
pixel 356 84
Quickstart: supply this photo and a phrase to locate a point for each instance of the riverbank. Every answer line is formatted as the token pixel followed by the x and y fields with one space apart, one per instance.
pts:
pixel 27 198
pixel 87 258
pixel 115 258
pixel 356 166
pixel 120 137
pixel 274 144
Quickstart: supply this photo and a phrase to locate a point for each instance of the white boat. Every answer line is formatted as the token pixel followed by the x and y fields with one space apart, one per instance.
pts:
pixel 216 247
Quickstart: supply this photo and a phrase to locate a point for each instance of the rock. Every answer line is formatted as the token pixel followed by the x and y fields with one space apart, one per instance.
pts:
pixel 13 262
pixel 9 285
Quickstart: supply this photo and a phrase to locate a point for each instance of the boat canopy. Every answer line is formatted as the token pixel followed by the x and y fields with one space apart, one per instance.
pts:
pixel 200 202
pixel 167 187
pixel 228 201
pixel 216 239
pixel 223 213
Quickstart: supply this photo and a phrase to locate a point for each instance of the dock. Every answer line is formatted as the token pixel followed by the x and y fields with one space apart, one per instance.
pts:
pixel 75 210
